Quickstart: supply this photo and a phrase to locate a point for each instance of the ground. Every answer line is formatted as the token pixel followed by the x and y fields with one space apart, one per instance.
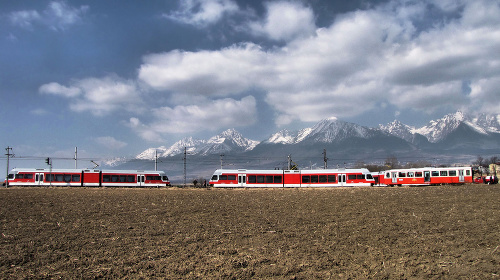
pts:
pixel 445 232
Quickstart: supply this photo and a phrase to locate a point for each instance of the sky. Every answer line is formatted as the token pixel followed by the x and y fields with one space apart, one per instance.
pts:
pixel 114 78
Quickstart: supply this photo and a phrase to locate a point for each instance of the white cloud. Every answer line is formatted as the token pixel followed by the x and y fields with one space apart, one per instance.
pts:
pixel 100 96
pixel 484 96
pixel 213 115
pixel 228 71
pixel 58 16
pixel 285 21
pixel 203 12
pixel 110 142
pixel 363 59
pixel 24 18
pixel 57 89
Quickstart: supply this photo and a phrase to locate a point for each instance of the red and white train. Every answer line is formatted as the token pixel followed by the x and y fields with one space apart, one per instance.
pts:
pixel 24 177
pixel 291 178
pixel 424 176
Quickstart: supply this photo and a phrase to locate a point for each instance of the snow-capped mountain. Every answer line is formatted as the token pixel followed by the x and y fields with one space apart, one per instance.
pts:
pixel 329 130
pixel 229 140
pixel 437 130
pixel 333 131
pixel 398 129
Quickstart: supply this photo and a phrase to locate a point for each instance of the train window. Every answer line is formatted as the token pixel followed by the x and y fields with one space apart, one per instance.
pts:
pixel 223 177
pixel 444 173
pixel 59 177
pixel 269 179
pixel 75 178
pixel 260 179
pixel 252 179
pixel 306 179
pixel 360 176
pixel 322 179
pixel 387 175
pixel 28 176
pixel 418 174
pixel 332 178
pixel 123 178
pixel 67 178
pixel 114 178
pixel 19 176
pixel 410 174
pixel 131 178
pixel 106 178
pixel 402 175
pixel 467 172
pixel 314 178
pixel 278 179
pixel 453 173
pixel 351 177
pixel 49 178
pixel 231 177
pixel 435 173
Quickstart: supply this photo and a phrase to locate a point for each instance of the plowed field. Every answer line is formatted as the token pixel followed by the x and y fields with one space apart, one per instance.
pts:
pixel 446 232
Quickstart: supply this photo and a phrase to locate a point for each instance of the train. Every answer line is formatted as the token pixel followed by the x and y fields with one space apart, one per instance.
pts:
pixel 28 177
pixel 424 176
pixel 227 178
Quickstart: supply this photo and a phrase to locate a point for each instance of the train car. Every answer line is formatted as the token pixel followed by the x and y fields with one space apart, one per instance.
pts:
pixel 25 177
pixel 291 178
pixel 426 176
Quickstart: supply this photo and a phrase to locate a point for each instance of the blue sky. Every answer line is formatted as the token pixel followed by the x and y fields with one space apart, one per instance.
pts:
pixel 116 77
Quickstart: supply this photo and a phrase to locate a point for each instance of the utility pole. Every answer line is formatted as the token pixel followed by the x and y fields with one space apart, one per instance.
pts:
pixel 289 162
pixel 49 162
pixel 185 153
pixel 156 160
pixel 221 163
pixel 325 159
pixel 76 157
pixel 8 154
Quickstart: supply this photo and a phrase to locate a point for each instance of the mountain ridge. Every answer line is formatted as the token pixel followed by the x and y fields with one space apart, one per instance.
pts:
pixel 334 131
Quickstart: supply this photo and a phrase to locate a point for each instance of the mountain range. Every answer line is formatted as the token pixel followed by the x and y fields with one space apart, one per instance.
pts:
pixel 481 131
pixel 455 138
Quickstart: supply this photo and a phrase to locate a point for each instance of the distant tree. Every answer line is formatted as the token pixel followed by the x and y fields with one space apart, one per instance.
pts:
pixel 479 161
pixel 360 164
pixel 391 162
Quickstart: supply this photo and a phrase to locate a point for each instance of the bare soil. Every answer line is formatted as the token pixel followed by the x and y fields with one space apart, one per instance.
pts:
pixel 446 232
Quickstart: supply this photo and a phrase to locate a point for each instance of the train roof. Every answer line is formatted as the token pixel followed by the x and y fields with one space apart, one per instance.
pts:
pixel 303 171
pixel 80 170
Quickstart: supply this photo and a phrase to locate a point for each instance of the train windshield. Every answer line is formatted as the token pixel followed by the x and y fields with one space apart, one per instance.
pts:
pixel 214 178
pixel 165 178
pixel 369 176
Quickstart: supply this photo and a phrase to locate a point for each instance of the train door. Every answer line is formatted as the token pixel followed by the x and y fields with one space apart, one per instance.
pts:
pixel 242 180
pixel 394 176
pixel 342 178
pixel 427 176
pixel 461 177
pixel 38 179
pixel 140 180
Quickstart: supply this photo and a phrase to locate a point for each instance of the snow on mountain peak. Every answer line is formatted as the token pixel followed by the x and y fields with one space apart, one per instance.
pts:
pixel 225 141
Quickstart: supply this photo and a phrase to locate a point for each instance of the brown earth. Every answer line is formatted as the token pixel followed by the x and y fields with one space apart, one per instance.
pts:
pixel 447 232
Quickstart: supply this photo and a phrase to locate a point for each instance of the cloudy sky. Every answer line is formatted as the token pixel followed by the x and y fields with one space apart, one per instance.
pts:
pixel 116 77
